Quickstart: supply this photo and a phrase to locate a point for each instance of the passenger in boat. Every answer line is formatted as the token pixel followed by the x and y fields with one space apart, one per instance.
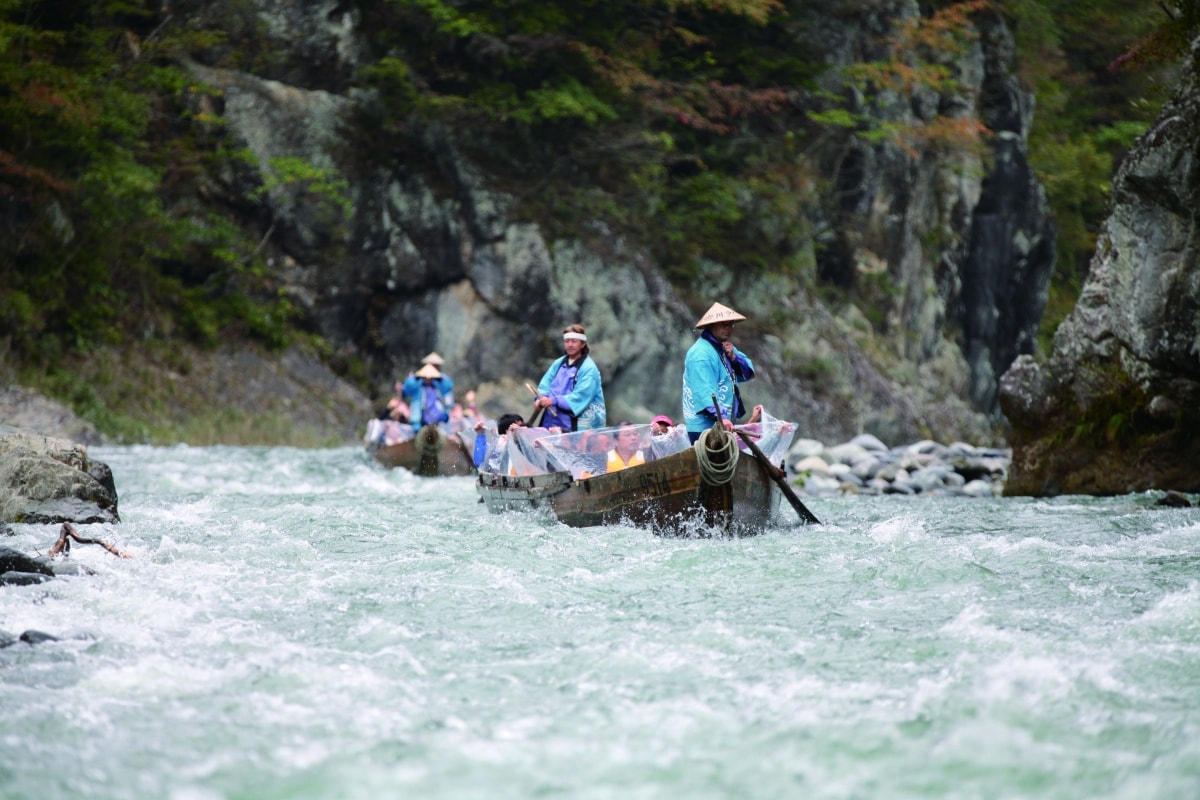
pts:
pixel 713 366
pixel 626 452
pixel 665 438
pixel 489 457
pixel 594 446
pixel 571 391
pixel 427 397
pixel 396 409
pixel 660 425
pixel 469 410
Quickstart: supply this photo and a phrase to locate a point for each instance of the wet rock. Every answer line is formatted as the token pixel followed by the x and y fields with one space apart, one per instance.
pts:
pixel 1174 499
pixel 49 480
pixel 14 561
pixel 13 578
pixel 37 637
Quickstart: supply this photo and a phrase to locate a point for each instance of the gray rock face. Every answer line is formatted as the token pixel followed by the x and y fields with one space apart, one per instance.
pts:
pixel 429 256
pixel 27 409
pixel 46 480
pixel 1117 406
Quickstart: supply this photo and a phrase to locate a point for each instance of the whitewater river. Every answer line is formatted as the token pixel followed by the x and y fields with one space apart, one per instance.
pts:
pixel 302 624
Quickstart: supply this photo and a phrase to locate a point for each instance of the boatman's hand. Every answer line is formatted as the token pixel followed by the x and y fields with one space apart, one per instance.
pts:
pixel 728 345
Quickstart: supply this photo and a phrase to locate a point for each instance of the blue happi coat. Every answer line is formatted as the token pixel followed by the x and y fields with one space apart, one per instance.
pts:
pixel 706 371
pixel 578 395
pixel 428 403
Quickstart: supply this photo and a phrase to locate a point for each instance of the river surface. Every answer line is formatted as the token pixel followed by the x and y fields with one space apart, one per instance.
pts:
pixel 303 624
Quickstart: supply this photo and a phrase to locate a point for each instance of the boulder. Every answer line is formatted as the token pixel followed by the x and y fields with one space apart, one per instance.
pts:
pixel 1116 406
pixel 48 480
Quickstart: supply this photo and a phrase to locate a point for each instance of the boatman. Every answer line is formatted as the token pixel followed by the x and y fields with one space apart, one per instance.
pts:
pixel 428 401
pixel 713 366
pixel 572 391
pixel 445 383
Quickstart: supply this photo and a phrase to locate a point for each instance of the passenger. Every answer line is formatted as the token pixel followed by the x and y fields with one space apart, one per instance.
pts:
pixel 595 446
pixel 469 410
pixel 665 438
pixel 490 457
pixel 429 401
pixel 626 452
pixel 571 391
pixel 713 366
pixel 661 425
pixel 396 410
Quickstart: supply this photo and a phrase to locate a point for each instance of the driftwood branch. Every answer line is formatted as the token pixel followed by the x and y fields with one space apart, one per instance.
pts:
pixel 67 532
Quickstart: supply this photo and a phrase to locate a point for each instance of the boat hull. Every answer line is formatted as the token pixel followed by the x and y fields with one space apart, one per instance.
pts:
pixel 669 496
pixel 430 454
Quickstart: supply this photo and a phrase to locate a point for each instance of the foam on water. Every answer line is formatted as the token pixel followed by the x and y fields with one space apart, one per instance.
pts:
pixel 304 624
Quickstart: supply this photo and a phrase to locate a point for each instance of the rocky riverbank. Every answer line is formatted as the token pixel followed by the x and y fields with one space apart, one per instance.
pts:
pixel 865 465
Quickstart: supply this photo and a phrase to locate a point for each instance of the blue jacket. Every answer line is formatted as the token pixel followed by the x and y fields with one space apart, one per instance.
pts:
pixel 583 398
pixel 706 372
pixel 413 394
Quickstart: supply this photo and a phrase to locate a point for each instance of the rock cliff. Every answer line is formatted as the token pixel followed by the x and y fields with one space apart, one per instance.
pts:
pixel 431 256
pixel 1116 408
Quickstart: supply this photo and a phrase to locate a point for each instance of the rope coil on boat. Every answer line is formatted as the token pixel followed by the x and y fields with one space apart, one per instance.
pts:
pixel 717 459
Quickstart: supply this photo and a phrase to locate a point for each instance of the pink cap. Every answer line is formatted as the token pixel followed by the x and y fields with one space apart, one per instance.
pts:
pixel 664 419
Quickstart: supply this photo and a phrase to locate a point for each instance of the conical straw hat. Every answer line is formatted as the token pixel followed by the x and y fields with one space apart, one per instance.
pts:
pixel 433 358
pixel 428 371
pixel 718 313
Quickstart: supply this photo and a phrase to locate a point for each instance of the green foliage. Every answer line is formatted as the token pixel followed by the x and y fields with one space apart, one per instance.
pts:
pixel 654 116
pixel 1092 103
pixel 96 138
pixel 920 57
pixel 326 186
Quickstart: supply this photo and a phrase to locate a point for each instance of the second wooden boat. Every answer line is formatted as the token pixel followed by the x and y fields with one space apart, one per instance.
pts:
pixel 431 453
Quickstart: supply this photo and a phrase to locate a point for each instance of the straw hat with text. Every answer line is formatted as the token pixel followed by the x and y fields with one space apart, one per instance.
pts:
pixel 718 313
pixel 428 371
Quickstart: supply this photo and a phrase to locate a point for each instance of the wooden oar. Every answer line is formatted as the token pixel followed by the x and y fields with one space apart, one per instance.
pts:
pixel 780 480
pixel 773 472
pixel 537 415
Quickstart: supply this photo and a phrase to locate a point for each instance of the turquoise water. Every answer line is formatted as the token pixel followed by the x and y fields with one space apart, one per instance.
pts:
pixel 301 624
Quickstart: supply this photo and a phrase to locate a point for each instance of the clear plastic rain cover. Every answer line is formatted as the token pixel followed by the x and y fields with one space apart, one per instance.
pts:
pixel 532 451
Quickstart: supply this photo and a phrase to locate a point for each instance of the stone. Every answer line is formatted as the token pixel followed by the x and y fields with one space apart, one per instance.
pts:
pixel 48 480
pixel 14 561
pixel 14 578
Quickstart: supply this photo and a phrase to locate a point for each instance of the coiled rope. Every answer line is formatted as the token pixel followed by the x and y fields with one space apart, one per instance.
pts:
pixel 717 463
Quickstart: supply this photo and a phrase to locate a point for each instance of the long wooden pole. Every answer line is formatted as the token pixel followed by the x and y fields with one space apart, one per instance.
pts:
pixel 780 480
pixel 773 472
pixel 537 415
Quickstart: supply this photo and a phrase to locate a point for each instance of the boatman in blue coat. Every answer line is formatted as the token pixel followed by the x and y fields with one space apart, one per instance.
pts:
pixel 572 391
pixel 713 366
pixel 428 400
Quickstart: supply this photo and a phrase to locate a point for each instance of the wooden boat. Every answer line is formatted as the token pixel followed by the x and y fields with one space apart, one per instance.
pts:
pixel 683 494
pixel 431 453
